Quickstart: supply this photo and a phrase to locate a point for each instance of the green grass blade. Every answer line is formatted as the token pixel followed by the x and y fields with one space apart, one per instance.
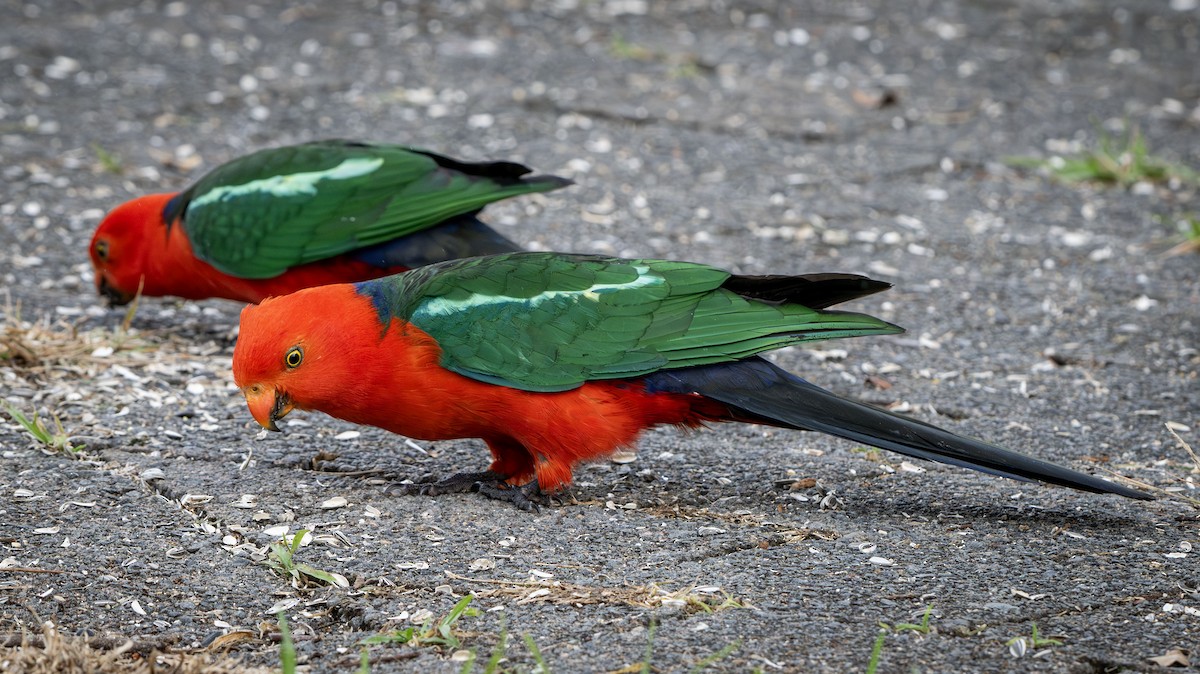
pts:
pixel 649 647
pixel 876 651
pixel 493 664
pixel 715 657
pixel 542 667
pixel 287 649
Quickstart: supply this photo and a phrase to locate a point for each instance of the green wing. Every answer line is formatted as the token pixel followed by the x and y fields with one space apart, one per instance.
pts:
pixel 259 215
pixel 550 322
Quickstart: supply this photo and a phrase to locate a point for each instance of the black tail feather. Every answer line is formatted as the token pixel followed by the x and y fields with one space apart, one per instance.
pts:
pixel 503 172
pixel 760 392
pixel 815 291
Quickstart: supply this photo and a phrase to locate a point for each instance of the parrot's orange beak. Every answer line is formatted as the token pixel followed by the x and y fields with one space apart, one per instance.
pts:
pixel 267 405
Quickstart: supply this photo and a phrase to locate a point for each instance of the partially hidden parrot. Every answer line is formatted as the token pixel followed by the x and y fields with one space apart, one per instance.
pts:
pixel 555 359
pixel 287 218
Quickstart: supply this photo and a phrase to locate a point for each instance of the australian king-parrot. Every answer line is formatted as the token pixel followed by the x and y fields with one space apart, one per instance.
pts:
pixel 554 359
pixel 287 218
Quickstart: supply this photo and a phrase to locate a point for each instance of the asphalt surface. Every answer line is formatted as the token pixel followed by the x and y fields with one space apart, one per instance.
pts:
pixel 764 137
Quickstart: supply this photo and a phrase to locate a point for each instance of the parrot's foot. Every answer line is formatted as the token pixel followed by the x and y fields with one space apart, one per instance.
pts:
pixel 527 497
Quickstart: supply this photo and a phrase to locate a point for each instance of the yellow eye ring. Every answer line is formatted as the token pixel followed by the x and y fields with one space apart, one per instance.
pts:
pixel 102 250
pixel 294 357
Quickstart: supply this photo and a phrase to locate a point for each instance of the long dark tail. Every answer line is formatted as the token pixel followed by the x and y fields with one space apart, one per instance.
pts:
pixel 759 392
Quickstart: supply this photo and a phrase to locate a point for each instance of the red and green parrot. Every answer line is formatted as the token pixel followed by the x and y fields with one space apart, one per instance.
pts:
pixel 556 359
pixel 287 218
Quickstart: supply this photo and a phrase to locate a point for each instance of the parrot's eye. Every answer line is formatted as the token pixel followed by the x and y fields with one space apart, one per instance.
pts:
pixel 294 357
pixel 102 250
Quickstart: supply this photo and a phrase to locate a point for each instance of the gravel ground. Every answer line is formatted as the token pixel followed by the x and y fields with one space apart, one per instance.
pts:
pixel 766 137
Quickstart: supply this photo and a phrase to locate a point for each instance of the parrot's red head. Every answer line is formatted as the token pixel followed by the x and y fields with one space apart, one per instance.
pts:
pixel 120 247
pixel 306 350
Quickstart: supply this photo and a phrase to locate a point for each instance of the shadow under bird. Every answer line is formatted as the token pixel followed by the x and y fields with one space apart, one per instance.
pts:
pixel 282 219
pixel 554 359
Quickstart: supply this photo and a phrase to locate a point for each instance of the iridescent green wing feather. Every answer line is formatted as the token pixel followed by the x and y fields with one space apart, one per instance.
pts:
pixel 259 215
pixel 550 322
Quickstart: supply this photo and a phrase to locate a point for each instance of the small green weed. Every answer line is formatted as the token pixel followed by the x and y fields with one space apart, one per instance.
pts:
pixel 1018 645
pixel 623 49
pixel 1189 230
pixel 440 634
pixel 498 652
pixel 921 628
pixel 109 162
pixel 1190 227
pixel 282 560
pixel 57 440
pixel 444 635
pixel 679 66
pixel 1117 161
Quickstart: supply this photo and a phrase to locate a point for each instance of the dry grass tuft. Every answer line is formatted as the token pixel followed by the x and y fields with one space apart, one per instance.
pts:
pixel 690 599
pixel 53 653
pixel 42 347
pixel 53 369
